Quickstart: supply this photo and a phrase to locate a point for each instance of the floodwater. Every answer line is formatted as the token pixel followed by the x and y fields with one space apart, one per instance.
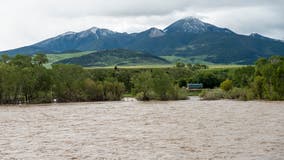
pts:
pixel 175 130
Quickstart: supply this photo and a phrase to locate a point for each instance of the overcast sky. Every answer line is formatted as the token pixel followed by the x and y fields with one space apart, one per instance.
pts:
pixel 24 22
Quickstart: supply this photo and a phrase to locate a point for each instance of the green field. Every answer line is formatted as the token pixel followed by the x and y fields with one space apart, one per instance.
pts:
pixel 52 58
pixel 192 59
pixel 212 66
pixel 135 67
pixel 222 66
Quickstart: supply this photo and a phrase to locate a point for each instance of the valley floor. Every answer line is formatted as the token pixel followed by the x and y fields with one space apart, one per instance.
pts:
pixel 174 130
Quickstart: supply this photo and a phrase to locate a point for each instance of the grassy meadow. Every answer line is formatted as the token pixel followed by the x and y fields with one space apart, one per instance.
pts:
pixel 52 58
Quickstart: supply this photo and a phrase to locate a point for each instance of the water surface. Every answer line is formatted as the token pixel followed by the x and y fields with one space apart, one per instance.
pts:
pixel 176 130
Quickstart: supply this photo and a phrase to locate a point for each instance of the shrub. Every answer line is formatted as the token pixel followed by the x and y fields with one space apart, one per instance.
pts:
pixel 113 91
pixel 214 94
pixel 237 93
pixel 178 93
pixel 142 97
pixel 226 85
pixel 249 94
pixel 42 97
pixel 94 90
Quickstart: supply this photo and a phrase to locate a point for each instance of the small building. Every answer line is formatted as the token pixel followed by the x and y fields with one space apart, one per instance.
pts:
pixel 194 85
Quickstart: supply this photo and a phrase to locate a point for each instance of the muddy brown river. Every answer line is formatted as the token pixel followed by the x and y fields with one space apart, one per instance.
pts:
pixel 175 130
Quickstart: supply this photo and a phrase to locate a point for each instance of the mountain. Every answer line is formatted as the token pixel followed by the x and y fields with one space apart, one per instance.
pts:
pixel 121 57
pixel 188 39
pixel 193 25
pixel 91 39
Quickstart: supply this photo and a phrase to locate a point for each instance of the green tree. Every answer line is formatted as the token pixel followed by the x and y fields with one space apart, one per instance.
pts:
pixel 40 59
pixel 27 85
pixel 189 66
pixel 258 87
pixel 68 82
pixel 94 90
pixel 113 90
pixel 272 71
pixel 21 61
pixel 242 77
pixel 10 79
pixel 182 83
pixel 143 85
pixel 162 85
pixel 180 65
pixel 5 58
pixel 208 79
pixel 199 66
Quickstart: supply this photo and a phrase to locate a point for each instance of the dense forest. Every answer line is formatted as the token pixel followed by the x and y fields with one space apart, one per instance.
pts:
pixel 24 79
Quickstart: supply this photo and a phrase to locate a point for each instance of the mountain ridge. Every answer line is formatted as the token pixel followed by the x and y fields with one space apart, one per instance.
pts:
pixel 188 37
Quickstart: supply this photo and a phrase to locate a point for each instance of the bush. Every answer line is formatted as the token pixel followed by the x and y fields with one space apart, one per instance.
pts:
pixel 226 85
pixel 179 93
pixel 214 94
pixel 42 97
pixel 113 91
pixel 94 90
pixel 240 94
pixel 250 94
pixel 142 97
pixel 236 93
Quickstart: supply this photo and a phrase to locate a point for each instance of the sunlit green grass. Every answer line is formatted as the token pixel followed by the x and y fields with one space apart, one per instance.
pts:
pixel 52 58
pixel 222 66
pixel 135 67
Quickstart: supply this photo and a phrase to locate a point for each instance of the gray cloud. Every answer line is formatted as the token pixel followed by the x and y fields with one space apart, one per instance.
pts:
pixel 32 20
pixel 144 7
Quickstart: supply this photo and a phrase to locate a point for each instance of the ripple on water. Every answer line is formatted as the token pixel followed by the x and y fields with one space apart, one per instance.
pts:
pixel 175 130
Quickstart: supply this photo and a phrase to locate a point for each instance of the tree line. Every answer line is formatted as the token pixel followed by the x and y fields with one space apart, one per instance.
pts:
pixel 265 80
pixel 24 79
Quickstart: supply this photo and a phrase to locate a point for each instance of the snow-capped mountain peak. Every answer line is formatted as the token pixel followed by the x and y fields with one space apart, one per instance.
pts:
pixel 193 25
pixel 192 20
pixel 67 33
pixel 155 32
pixel 97 31
pixel 93 30
pixel 188 24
